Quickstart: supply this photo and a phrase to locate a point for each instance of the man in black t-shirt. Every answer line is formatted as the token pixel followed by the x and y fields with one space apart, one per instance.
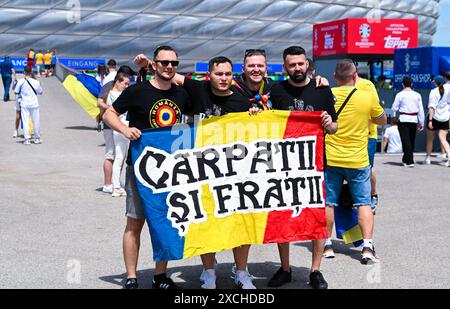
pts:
pixel 215 98
pixel 152 104
pixel 300 93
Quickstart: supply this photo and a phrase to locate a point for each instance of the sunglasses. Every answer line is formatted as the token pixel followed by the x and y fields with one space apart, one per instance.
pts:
pixel 250 52
pixel 165 63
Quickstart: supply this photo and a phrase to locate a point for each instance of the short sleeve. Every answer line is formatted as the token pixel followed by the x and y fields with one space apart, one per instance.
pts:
pixel 124 102
pixel 376 110
pixel 104 90
pixel 330 101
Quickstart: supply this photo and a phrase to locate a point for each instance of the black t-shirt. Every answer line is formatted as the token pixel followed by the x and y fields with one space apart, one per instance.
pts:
pixel 284 96
pixel 149 107
pixel 205 101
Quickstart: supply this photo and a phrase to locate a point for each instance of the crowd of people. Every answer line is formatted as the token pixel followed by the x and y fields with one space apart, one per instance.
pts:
pixel 250 92
pixel 350 114
pixel 44 63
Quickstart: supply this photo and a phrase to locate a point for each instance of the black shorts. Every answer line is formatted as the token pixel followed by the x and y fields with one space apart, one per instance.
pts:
pixel 47 66
pixel 440 125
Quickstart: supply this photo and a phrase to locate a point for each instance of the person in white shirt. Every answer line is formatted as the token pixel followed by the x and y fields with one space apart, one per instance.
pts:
pixel 438 117
pixel 121 143
pixel 112 72
pixel 391 138
pixel 409 105
pixel 28 89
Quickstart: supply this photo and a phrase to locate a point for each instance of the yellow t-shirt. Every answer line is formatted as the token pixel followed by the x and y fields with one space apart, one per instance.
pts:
pixel 39 57
pixel 348 146
pixel 367 85
pixel 48 58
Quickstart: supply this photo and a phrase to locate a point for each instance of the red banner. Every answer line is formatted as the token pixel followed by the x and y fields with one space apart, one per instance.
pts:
pixel 364 36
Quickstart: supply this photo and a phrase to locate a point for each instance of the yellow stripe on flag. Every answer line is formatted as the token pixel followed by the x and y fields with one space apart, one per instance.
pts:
pixel 81 95
pixel 232 230
pixel 352 235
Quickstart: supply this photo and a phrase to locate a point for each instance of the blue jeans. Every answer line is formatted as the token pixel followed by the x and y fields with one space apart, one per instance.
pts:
pixel 358 180
pixel 7 85
pixel 372 149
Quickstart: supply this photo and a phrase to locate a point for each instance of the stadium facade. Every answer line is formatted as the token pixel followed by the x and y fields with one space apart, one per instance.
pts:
pixel 198 29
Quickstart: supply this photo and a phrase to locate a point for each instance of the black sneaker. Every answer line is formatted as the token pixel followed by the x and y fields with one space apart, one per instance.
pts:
pixel 131 284
pixel 317 281
pixel 161 282
pixel 281 277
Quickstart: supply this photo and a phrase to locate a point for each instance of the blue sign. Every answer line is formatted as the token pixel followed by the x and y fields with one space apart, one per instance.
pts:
pixel 82 63
pixel 421 64
pixel 18 63
pixel 73 63
pixel 202 67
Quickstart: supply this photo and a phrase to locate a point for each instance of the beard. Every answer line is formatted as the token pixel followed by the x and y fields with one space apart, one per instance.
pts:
pixel 163 77
pixel 300 77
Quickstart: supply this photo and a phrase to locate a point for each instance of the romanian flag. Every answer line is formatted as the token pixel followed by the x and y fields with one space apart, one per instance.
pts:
pixel 232 180
pixel 84 89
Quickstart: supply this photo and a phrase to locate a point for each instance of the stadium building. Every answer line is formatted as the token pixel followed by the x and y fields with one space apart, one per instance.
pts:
pixel 197 29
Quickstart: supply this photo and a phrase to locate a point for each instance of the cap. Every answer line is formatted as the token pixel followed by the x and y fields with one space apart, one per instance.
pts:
pixel 438 79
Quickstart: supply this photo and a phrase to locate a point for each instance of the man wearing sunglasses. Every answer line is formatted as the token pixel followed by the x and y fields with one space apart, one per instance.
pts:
pixel 253 82
pixel 153 104
pixel 299 92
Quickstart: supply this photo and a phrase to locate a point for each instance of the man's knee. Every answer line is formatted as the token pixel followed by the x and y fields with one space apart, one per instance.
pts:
pixel 134 226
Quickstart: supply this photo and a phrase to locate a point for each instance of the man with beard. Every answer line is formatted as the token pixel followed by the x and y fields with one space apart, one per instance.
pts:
pixel 300 93
pixel 144 102
pixel 253 83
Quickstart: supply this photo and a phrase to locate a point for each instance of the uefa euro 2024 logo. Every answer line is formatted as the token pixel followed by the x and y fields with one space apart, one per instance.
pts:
pixel 364 31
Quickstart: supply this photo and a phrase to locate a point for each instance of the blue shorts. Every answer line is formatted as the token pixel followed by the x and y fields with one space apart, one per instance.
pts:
pixel 372 148
pixel 358 180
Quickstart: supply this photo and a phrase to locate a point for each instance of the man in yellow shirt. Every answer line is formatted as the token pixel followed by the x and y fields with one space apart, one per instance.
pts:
pixel 39 62
pixel 346 153
pixel 47 62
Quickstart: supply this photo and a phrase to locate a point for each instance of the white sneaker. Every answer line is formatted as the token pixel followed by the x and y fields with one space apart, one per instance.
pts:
pixel 119 192
pixel 37 141
pixel 16 133
pixel 244 281
pixel 427 160
pixel 447 164
pixel 208 277
pixel 233 272
pixel 27 142
pixel 107 189
pixel 442 156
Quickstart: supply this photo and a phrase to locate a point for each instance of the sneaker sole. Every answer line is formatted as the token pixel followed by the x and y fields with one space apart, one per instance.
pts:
pixel 369 261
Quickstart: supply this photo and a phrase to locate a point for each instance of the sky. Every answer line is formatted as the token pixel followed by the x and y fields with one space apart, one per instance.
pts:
pixel 442 37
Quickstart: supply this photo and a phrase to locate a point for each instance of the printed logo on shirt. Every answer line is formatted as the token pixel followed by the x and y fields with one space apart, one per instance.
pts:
pixel 164 113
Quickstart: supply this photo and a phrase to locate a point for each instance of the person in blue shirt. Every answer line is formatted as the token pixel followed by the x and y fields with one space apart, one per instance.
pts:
pixel 7 71
pixel 53 63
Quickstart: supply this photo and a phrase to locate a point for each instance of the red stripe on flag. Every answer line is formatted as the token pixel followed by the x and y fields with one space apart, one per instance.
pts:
pixel 311 223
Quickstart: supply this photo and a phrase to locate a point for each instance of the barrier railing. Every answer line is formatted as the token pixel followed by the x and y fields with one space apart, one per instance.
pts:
pixel 61 71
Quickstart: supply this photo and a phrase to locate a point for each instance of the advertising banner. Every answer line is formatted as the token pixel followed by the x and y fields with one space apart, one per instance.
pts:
pixel 364 36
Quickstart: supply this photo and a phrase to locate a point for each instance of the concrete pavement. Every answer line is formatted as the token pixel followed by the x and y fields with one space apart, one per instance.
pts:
pixel 59 231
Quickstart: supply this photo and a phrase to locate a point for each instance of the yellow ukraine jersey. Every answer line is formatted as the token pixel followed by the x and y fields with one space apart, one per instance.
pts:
pixel 367 85
pixel 48 59
pixel 348 146
pixel 39 57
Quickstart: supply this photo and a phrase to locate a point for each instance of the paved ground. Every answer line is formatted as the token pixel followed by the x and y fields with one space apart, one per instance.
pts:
pixel 58 231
